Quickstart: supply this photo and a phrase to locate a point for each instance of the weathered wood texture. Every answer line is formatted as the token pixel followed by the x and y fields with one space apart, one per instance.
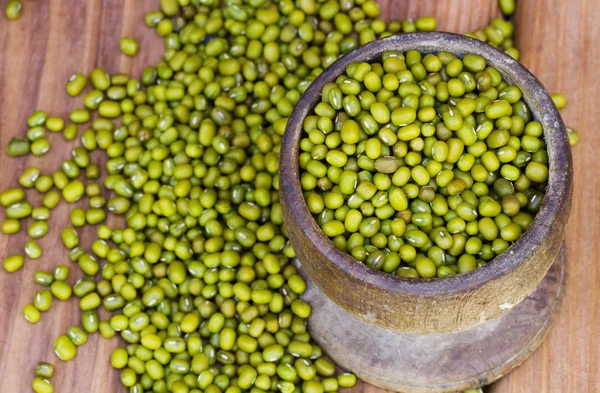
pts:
pixel 55 39
pixel 559 43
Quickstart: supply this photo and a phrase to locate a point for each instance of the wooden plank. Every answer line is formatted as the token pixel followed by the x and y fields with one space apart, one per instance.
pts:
pixel 54 39
pixel 558 41
pixel 38 53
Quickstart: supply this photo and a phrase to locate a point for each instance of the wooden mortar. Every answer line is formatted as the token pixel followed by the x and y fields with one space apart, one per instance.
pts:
pixel 432 306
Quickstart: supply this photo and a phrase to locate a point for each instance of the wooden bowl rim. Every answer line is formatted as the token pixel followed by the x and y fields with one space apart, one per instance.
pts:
pixel 543 110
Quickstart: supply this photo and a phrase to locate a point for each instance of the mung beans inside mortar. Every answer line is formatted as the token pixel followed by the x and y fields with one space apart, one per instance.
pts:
pixel 423 165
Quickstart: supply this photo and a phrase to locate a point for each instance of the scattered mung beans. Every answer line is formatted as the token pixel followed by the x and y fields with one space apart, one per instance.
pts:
pixel 11 226
pixel 37 118
pixel 573 137
pixel 129 46
pixel 40 213
pixel 193 167
pixel 18 147
pixel 40 147
pixel 42 300
pixel 14 9
pixel 42 385
pixel 77 335
pixel 55 124
pixel 507 7
pixel 70 132
pixel 77 82
pixel 64 348
pixel 36 133
pixel 13 263
pixel 559 100
pixel 44 370
pixel 61 272
pixel 43 278
pixel 38 229
pixel 11 196
pixel 32 249
pixel 31 314
pixel 19 210
pixel 61 290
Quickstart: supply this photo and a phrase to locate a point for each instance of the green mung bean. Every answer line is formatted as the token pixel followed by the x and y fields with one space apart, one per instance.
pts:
pixel 36 133
pixel 42 385
pixel 44 370
pixel 55 124
pixel 70 132
pixel 28 177
pixel 11 226
pixel 90 322
pixel 64 348
pixel 13 263
pixel 43 278
pixel 44 183
pixel 73 191
pixel 51 199
pixel 77 116
pixel 346 380
pixel 61 272
pixel 32 249
pixel 11 196
pixel 573 137
pixel 31 314
pixel 18 147
pixel 77 82
pixel 38 229
pixel 70 238
pixel 100 79
pixel 129 46
pixel 40 213
pixel 13 10
pixel 37 118
pixel 61 290
pixel 42 300
pixel 77 335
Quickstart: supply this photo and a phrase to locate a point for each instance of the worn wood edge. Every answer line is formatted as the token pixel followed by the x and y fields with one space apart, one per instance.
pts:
pixel 483 379
pixel 525 262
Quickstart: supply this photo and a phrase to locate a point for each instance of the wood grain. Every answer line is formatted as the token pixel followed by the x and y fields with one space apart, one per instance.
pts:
pixel 56 38
pixel 558 40
pixel 38 53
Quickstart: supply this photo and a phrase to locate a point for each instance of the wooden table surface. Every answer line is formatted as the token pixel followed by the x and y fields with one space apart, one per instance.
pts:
pixel 559 43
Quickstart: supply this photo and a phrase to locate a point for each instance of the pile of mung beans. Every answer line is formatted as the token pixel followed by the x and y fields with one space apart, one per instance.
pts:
pixel 423 165
pixel 199 282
